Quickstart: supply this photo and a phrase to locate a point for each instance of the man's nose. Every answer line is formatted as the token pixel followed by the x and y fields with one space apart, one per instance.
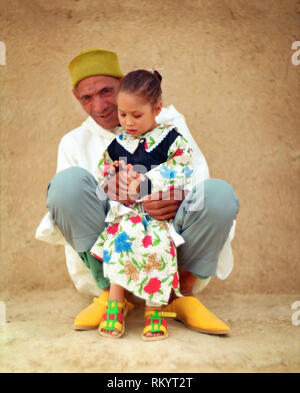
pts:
pixel 99 104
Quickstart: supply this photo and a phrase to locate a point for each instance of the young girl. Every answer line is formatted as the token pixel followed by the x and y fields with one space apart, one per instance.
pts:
pixel 138 251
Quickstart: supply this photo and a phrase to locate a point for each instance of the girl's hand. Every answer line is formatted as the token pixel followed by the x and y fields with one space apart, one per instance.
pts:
pixel 129 182
pixel 124 183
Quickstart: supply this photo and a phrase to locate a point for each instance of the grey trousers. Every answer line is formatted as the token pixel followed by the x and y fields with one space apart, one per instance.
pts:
pixel 79 207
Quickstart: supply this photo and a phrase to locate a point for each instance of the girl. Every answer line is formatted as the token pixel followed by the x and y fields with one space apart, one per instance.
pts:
pixel 138 252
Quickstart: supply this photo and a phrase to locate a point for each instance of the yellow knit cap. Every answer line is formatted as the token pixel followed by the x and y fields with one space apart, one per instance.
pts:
pixel 94 61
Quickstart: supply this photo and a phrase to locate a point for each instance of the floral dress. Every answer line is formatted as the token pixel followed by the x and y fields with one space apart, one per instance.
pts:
pixel 138 251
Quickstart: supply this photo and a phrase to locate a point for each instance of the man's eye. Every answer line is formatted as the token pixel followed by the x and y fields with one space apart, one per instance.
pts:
pixel 106 92
pixel 85 99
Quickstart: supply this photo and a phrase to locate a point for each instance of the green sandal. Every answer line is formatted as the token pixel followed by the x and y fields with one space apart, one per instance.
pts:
pixel 113 319
pixel 156 324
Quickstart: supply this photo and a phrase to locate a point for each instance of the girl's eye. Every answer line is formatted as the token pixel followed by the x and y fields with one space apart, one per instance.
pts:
pixel 137 116
pixel 122 114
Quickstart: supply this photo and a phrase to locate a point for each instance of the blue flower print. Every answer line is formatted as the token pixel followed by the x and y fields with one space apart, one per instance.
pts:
pixel 106 256
pixel 187 172
pixel 168 173
pixel 121 243
pixel 145 221
pixel 121 136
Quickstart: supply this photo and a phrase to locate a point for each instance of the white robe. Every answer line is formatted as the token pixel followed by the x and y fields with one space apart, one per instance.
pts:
pixel 82 147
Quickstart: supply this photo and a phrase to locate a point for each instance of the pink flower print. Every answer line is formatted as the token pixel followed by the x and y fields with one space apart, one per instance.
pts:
pixel 172 249
pixel 136 219
pixel 147 241
pixel 178 152
pixel 113 229
pixel 175 281
pixel 152 286
pixel 106 168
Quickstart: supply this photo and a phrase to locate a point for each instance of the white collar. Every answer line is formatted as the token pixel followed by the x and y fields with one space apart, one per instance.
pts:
pixel 94 127
pixel 152 138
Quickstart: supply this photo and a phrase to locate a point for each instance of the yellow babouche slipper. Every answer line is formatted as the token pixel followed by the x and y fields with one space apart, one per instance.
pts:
pixel 91 316
pixel 196 316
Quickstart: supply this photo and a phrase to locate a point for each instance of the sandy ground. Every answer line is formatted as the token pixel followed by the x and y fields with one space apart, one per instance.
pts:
pixel 39 338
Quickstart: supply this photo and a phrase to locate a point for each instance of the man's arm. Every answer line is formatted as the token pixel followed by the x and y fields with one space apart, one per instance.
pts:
pixel 164 205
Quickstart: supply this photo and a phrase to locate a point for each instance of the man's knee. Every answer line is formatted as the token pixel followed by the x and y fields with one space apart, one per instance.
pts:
pixel 69 186
pixel 220 201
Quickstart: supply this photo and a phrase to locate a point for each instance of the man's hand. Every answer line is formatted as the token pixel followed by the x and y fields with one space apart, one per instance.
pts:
pixel 164 205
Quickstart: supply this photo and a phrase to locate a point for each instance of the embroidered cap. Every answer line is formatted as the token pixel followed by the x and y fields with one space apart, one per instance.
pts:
pixel 94 61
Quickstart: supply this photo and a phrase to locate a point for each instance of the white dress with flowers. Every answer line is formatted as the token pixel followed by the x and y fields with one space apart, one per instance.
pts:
pixel 138 251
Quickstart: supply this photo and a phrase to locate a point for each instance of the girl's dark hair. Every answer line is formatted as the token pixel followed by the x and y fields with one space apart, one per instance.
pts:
pixel 145 84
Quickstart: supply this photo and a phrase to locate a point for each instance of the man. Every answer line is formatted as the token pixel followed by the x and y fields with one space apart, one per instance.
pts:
pixel 78 207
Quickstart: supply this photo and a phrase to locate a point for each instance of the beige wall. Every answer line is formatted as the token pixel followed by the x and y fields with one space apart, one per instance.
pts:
pixel 226 66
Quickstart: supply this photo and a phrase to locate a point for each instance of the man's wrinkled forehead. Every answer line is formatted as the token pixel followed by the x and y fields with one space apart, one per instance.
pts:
pixel 97 83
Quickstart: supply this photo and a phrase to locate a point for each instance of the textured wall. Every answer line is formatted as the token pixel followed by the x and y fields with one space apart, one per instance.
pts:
pixel 226 66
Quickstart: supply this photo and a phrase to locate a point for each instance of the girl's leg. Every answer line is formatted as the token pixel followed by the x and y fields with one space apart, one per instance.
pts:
pixel 149 308
pixel 116 293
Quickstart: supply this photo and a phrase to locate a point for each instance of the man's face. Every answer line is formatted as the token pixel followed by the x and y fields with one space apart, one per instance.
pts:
pixel 98 97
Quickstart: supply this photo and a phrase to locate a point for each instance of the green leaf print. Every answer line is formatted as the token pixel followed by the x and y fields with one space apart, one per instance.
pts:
pixel 135 263
pixel 163 264
pixel 101 162
pixel 150 296
pixel 121 271
pixel 152 141
pixel 157 241
pixel 141 285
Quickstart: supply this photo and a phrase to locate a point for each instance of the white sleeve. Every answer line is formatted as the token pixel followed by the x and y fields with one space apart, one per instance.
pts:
pixel 47 230
pixel 170 115
pixel 66 156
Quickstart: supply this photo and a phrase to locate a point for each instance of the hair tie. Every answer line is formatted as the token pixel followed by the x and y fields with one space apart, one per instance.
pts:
pixel 154 69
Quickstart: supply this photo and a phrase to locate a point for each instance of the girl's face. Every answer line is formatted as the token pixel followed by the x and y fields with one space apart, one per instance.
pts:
pixel 137 116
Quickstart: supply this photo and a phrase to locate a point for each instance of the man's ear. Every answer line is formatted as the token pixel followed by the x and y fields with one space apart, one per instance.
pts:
pixel 76 94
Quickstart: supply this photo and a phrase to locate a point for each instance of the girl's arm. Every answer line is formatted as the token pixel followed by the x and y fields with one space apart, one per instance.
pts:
pixel 105 167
